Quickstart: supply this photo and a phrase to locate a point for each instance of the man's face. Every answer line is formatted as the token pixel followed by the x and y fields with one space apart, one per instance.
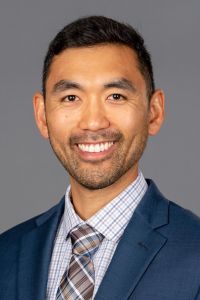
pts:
pixel 97 113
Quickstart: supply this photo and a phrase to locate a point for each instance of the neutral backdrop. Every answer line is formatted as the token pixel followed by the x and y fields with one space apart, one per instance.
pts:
pixel 31 179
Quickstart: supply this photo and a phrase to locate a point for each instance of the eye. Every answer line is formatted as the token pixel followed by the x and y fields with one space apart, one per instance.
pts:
pixel 116 97
pixel 70 98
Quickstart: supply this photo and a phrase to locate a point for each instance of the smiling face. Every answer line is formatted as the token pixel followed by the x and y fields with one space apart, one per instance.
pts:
pixel 96 114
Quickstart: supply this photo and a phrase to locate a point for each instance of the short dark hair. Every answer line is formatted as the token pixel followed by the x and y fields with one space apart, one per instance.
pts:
pixel 95 30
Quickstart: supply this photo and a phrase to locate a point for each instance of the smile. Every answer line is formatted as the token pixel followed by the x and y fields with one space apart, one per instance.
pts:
pixel 95 147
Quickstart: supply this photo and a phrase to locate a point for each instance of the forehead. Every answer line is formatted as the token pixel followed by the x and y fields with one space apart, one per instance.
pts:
pixel 93 65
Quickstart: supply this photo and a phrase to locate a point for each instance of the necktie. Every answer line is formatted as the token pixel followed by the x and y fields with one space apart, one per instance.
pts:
pixel 77 282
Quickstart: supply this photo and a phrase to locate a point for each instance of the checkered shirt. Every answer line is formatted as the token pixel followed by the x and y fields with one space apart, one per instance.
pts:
pixel 110 221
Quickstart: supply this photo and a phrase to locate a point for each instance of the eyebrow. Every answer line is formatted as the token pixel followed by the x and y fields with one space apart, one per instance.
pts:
pixel 64 85
pixel 120 83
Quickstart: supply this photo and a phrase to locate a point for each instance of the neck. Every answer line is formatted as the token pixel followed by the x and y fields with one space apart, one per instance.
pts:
pixel 87 202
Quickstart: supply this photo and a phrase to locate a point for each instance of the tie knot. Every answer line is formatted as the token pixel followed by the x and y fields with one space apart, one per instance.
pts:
pixel 85 240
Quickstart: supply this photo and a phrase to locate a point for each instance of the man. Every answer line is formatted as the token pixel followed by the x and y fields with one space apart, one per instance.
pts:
pixel 113 235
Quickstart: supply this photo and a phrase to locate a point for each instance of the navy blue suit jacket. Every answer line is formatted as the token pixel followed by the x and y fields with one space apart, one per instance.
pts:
pixel 157 258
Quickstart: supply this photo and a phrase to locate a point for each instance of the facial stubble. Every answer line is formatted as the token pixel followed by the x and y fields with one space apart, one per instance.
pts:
pixel 96 175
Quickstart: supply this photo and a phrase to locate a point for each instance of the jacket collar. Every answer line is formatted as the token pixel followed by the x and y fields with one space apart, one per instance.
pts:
pixel 138 247
pixel 35 255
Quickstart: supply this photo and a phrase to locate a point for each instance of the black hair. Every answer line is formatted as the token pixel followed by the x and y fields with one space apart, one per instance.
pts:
pixel 95 30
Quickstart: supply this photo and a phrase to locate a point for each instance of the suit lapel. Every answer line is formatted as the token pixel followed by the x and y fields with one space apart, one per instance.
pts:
pixel 35 254
pixel 137 248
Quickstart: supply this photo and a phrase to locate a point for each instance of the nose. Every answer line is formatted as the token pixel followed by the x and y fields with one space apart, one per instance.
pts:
pixel 94 117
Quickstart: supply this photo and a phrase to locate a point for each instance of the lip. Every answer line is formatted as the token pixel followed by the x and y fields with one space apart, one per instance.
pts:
pixel 95 156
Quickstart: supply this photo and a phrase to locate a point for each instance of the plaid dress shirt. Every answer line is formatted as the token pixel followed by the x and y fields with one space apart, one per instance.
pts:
pixel 110 221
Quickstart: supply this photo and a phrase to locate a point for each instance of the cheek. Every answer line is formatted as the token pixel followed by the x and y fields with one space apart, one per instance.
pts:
pixel 59 124
pixel 130 123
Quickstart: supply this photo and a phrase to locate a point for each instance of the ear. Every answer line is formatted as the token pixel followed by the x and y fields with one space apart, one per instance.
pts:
pixel 40 114
pixel 156 112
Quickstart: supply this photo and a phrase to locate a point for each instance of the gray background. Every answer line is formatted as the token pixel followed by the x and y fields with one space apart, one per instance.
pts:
pixel 31 179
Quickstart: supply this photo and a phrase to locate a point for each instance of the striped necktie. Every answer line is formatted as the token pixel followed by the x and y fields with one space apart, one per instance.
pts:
pixel 77 282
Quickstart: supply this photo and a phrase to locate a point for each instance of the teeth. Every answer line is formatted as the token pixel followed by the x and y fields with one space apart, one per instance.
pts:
pixel 95 147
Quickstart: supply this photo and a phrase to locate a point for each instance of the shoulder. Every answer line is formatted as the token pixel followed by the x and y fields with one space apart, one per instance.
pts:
pixel 167 216
pixel 184 221
pixel 15 232
pixel 11 237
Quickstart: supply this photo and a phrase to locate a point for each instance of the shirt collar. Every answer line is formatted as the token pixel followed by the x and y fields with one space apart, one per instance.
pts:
pixel 113 218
